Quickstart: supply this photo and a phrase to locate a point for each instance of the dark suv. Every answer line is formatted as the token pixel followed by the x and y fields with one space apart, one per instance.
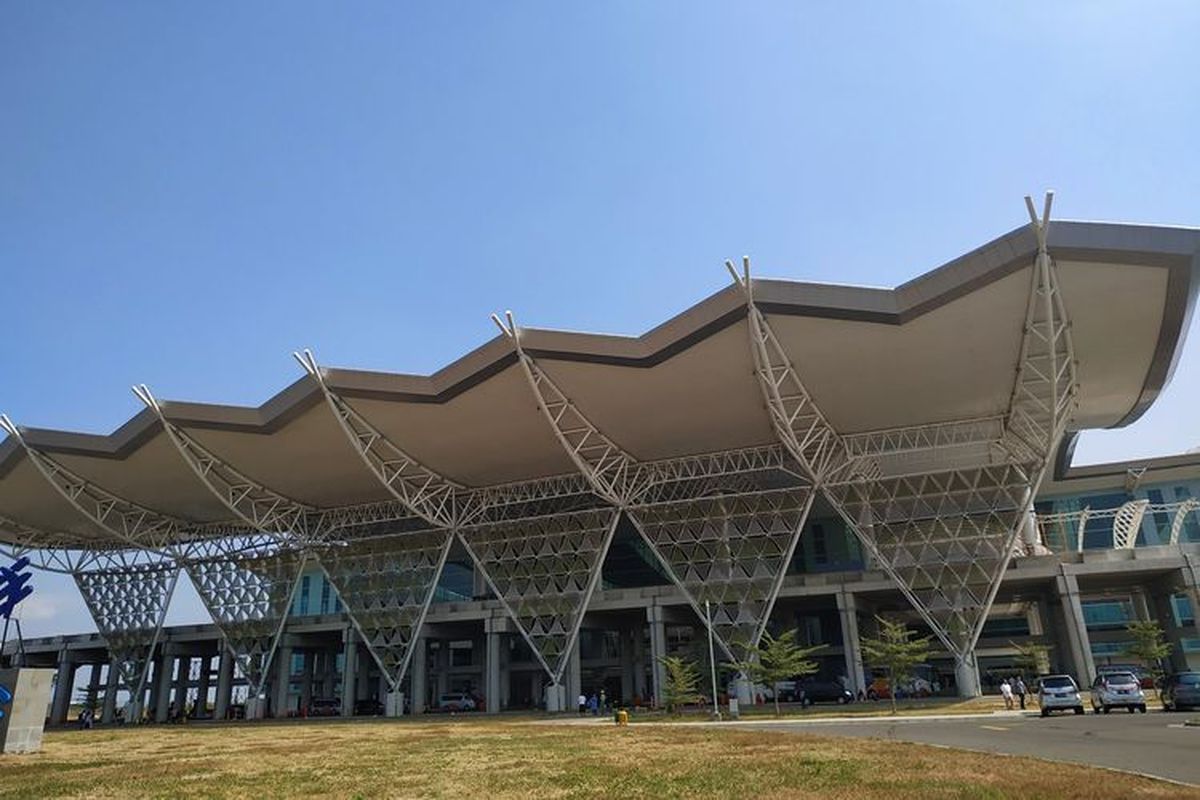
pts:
pixel 824 692
pixel 1181 691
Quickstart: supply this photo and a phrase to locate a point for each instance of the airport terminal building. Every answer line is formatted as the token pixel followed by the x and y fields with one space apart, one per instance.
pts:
pixel 553 512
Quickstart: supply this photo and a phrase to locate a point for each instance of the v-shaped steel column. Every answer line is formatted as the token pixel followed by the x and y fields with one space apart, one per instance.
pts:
pixel 943 525
pixel 719 539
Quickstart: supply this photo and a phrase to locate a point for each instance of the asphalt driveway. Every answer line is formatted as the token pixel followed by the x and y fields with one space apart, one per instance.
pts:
pixel 1154 743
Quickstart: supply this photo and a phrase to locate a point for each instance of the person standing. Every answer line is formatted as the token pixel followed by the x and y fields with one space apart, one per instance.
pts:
pixel 1021 690
pixel 1007 693
pixel 582 704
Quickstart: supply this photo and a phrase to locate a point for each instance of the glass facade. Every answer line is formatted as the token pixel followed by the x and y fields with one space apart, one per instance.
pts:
pixel 1101 615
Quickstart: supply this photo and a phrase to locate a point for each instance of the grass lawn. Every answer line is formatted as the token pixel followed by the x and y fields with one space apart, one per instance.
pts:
pixel 517 759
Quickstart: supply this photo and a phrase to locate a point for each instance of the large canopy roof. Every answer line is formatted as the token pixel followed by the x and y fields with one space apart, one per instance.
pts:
pixel 944 346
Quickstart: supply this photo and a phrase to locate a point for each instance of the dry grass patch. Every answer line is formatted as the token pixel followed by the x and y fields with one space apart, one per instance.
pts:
pixel 505 759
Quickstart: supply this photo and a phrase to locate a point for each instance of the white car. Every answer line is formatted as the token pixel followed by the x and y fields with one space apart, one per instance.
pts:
pixel 1118 690
pixel 456 702
pixel 1059 693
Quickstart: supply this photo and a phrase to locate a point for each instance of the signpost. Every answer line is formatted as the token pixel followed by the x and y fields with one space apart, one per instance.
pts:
pixel 24 693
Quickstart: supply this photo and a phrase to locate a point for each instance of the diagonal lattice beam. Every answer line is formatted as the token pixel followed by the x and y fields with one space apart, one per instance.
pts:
pixel 544 571
pixel 129 606
pixel 757 541
pixel 386 586
pixel 421 489
pixel 248 599
pixel 123 519
pixel 943 533
pixel 261 508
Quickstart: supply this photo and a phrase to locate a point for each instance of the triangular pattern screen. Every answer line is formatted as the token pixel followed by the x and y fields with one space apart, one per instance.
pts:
pixel 541 569
pixel 728 550
pixel 126 606
pixel 248 598
pixel 384 584
pixel 946 536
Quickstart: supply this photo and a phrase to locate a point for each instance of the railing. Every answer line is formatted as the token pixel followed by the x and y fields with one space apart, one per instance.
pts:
pixel 1064 531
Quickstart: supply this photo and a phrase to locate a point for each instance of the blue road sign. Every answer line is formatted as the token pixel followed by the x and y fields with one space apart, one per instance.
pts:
pixel 13 586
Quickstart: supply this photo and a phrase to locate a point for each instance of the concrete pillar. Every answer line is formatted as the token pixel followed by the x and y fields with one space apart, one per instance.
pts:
pixel 419 672
pixel 93 689
pixel 639 664
pixel 64 684
pixel 628 667
pixel 182 680
pixel 442 667
pixel 201 709
pixel 491 691
pixel 556 697
pixel 224 684
pixel 164 671
pixel 108 713
pixel 309 675
pixel 349 670
pixel 283 676
pixel 658 651
pixel 847 605
pixel 966 675
pixel 573 678
pixel 328 673
pixel 1077 635
pixel 1191 582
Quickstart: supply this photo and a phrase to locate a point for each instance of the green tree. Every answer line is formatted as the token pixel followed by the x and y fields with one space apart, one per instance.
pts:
pixel 1032 658
pixel 775 659
pixel 1148 646
pixel 681 684
pixel 897 652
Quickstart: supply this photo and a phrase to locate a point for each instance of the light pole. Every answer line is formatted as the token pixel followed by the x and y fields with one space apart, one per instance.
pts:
pixel 712 661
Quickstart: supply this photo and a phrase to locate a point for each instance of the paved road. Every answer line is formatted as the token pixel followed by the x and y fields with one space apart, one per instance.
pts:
pixel 1154 743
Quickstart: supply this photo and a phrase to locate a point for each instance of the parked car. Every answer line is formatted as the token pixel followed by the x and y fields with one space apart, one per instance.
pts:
pixel 368 708
pixel 1118 690
pixel 824 692
pixel 456 702
pixel 324 707
pixel 881 689
pixel 1181 691
pixel 1144 678
pixel 1059 693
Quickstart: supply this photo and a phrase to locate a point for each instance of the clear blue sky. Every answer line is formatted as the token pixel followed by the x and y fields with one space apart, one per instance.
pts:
pixel 188 192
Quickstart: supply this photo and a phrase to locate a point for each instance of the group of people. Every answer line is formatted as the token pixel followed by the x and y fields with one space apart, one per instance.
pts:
pixel 595 705
pixel 1013 689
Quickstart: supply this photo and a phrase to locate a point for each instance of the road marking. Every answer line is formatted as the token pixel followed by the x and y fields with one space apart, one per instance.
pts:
pixel 993 727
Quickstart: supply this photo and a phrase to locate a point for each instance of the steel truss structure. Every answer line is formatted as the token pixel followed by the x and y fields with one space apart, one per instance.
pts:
pixel 715 532
pixel 129 605
pixel 248 599
pixel 939 507
pixel 386 585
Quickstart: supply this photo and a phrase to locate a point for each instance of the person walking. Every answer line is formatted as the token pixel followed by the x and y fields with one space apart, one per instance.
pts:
pixel 582 704
pixel 1007 693
pixel 594 705
pixel 1021 691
